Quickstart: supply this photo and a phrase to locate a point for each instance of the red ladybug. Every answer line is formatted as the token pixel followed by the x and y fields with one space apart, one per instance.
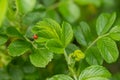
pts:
pixel 35 36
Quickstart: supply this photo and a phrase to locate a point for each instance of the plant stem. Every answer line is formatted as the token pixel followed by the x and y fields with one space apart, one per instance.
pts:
pixel 30 42
pixel 72 72
pixel 99 37
pixel 66 56
pixel 69 67
pixel 93 43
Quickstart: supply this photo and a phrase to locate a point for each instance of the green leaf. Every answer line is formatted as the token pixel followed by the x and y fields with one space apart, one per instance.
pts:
pixel 10 11
pixel 25 6
pixel 55 46
pixel 83 34
pixel 32 17
pixel 28 33
pixel 18 47
pixel 3 9
pixel 13 32
pixel 16 72
pixel 87 2
pixel 115 33
pixel 49 2
pixel 3 39
pixel 69 10
pixel 93 56
pixel 108 49
pixel 71 48
pixel 98 78
pixel 47 34
pixel 2 30
pixel 5 58
pixel 4 74
pixel 47 28
pixel 104 23
pixel 67 33
pixel 53 15
pixel 41 57
pixel 60 77
pixel 94 72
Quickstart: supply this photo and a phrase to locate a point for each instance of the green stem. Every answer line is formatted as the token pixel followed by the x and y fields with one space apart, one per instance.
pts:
pixel 69 67
pixel 66 56
pixel 96 40
pixel 30 42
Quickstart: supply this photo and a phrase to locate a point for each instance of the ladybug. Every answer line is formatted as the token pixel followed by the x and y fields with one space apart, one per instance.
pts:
pixel 35 36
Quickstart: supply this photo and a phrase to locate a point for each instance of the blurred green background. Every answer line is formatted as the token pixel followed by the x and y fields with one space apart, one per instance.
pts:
pixel 72 11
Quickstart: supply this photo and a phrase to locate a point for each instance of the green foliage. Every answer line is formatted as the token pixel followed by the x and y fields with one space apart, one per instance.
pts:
pixel 50 2
pixel 106 46
pixel 13 32
pixel 3 9
pixel 116 77
pixel 41 57
pixel 69 10
pixel 25 6
pixel 104 23
pixel 115 33
pixel 47 29
pixel 86 2
pixel 83 34
pixel 60 77
pixel 55 46
pixel 93 56
pixel 108 49
pixel 17 71
pixel 3 39
pixel 47 39
pixel 57 38
pixel 67 33
pixel 94 72
pixel 18 47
